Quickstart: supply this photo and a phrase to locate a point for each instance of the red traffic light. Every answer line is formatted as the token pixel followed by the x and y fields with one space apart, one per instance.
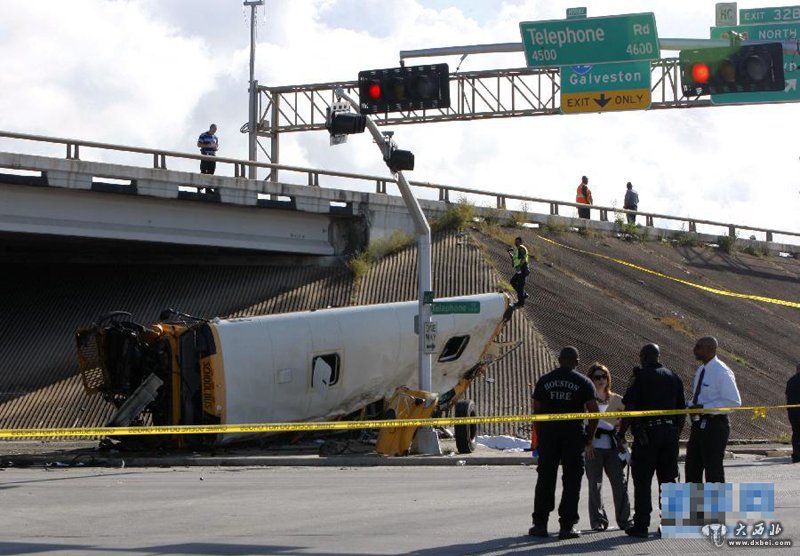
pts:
pixel 374 91
pixel 407 88
pixel 739 68
pixel 700 73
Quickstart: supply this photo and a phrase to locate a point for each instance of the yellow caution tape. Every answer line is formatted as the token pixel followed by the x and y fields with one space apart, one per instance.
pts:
pixel 349 425
pixel 716 291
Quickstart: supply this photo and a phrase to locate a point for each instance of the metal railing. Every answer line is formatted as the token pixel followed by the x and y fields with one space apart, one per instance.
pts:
pixel 445 192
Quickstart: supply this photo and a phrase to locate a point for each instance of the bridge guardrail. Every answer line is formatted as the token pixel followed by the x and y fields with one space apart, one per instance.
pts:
pixel 160 157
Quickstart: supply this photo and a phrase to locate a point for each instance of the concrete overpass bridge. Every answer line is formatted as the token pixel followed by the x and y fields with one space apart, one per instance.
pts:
pixel 69 197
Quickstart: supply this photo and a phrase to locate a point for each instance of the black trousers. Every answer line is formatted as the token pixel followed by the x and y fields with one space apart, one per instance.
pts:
pixel 584 213
pixel 794 420
pixel 706 449
pixel 631 217
pixel 557 448
pixel 657 455
pixel 518 283
pixel 208 166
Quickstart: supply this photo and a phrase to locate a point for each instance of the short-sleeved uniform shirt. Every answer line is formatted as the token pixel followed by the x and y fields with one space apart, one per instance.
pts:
pixel 656 387
pixel 563 391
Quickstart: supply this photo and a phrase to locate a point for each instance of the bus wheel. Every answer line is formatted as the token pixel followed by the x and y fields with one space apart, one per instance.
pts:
pixel 466 435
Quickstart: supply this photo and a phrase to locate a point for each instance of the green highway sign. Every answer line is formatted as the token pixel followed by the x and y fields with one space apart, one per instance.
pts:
pixel 453 307
pixel 769 15
pixel 576 13
pixel 592 40
pixel 771 32
pixel 605 87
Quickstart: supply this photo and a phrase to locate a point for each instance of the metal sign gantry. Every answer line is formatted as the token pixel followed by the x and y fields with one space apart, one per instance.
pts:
pixel 487 94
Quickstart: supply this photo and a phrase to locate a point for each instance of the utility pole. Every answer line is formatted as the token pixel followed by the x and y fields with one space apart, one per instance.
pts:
pixel 253 116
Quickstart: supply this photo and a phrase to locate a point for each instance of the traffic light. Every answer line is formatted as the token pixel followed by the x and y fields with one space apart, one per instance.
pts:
pixel 400 160
pixel 732 69
pixel 404 89
pixel 339 122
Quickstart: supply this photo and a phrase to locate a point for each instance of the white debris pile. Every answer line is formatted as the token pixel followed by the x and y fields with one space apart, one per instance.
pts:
pixel 505 443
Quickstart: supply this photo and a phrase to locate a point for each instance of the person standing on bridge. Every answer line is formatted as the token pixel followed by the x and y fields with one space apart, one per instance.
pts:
pixel 519 258
pixel 583 196
pixel 563 390
pixel 655 439
pixel 208 144
pixel 631 203
pixel 714 387
pixel 793 397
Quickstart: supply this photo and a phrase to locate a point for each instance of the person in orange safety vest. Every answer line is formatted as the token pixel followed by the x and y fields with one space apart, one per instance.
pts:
pixel 584 197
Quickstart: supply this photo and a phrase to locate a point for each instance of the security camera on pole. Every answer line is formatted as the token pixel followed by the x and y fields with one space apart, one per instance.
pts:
pixel 392 90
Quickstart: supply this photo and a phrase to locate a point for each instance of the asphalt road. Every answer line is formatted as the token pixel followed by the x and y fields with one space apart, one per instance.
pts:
pixel 313 511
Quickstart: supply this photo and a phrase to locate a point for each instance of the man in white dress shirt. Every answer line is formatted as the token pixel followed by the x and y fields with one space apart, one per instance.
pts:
pixel 714 386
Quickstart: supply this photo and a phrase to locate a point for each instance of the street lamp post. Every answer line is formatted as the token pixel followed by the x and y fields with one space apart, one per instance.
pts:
pixel 253 112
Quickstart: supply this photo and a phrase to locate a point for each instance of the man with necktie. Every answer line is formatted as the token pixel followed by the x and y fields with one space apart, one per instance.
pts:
pixel 714 386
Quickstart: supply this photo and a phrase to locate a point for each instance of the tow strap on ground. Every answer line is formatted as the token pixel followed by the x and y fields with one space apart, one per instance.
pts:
pixel 758 411
pixel 716 291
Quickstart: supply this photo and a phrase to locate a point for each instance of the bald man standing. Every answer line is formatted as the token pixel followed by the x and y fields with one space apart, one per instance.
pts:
pixel 714 386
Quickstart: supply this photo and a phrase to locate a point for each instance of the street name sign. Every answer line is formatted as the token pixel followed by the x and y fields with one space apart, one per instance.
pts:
pixel 576 13
pixel 769 15
pixel 605 87
pixel 455 307
pixel 591 40
pixel 769 32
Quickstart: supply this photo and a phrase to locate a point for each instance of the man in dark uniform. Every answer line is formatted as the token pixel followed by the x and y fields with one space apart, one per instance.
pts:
pixel 655 447
pixel 793 397
pixel 563 390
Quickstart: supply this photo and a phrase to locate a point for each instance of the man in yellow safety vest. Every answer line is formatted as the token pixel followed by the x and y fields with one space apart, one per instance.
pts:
pixel 519 258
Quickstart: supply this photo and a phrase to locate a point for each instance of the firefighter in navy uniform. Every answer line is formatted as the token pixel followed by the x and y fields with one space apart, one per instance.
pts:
pixel 563 390
pixel 655 447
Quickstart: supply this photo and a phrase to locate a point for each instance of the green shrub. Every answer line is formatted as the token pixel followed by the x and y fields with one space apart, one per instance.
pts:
pixel 555 227
pixel 756 251
pixel 726 243
pixel 359 264
pixel 687 239
pixel 398 241
pixel 456 218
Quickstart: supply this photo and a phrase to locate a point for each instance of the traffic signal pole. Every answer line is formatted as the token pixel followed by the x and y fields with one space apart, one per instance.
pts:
pixel 426 440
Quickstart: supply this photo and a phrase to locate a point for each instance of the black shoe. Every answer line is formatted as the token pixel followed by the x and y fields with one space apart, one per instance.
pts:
pixel 525 295
pixel 537 531
pixel 571 533
pixel 602 526
pixel 636 532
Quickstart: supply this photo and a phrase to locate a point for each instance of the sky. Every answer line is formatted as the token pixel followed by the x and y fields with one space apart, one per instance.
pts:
pixel 155 73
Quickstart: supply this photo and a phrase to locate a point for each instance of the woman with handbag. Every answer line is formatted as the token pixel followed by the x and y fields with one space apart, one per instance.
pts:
pixel 609 456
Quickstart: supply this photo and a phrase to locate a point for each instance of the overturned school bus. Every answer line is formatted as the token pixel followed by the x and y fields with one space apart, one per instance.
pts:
pixel 308 366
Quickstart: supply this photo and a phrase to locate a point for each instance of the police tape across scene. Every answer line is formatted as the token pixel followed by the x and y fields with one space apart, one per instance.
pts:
pixel 758 411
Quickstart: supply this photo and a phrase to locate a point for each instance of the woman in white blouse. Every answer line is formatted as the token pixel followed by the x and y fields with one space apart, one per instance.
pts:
pixel 608 456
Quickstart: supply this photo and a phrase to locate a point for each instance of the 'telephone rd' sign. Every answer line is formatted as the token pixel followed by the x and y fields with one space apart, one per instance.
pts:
pixel 591 40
